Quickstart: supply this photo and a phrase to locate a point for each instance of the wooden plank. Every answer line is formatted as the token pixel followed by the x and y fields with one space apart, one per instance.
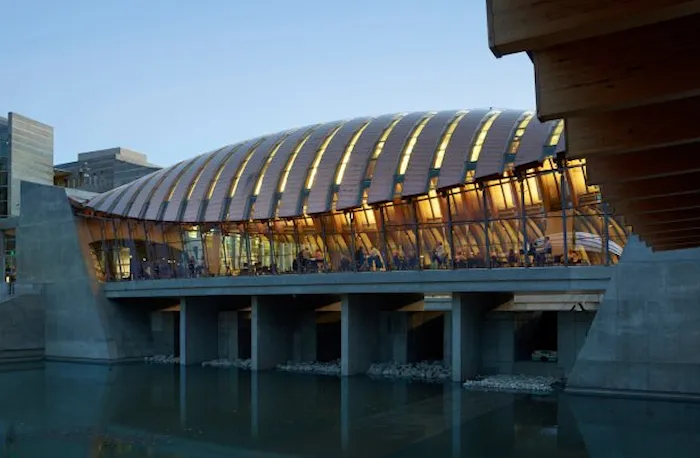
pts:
pixel 634 129
pixel 526 25
pixel 643 66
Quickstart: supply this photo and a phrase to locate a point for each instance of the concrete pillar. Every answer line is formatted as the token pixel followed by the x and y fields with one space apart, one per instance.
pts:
pixel 447 339
pixel 359 334
pixel 498 343
pixel 304 337
pixel 163 332
pixel 228 335
pixel 466 337
pixel 272 333
pixel 198 331
pixel 467 315
pixel 393 337
pixel 572 329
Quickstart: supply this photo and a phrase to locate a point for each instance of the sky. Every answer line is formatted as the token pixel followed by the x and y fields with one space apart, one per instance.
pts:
pixel 175 78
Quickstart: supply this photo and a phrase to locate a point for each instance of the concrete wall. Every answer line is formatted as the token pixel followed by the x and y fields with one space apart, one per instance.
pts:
pixel 646 334
pixel 498 343
pixel 80 323
pixel 572 329
pixel 22 328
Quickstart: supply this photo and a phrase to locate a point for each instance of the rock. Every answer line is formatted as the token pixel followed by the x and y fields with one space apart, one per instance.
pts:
pixel 512 384
pixel 428 371
pixel 312 367
pixel 244 364
pixel 162 359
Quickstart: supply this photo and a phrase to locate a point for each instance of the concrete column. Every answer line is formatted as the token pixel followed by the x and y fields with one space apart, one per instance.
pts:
pixel 198 331
pixel 359 334
pixel 163 332
pixel 304 338
pixel 228 335
pixel 498 343
pixel 272 333
pixel 466 337
pixel 572 329
pixel 393 337
pixel 447 339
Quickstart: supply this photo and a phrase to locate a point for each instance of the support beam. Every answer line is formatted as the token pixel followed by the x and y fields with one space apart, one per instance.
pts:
pixel 198 331
pixel 228 335
pixel 526 25
pixel 651 188
pixel 468 310
pixel 271 336
pixel 634 129
pixel 641 66
pixel 673 216
pixel 658 204
pixel 359 334
pixel 643 165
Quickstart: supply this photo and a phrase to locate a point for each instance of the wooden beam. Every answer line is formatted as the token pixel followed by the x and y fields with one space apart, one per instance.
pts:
pixel 633 129
pixel 670 228
pixel 682 245
pixel 526 25
pixel 671 236
pixel 656 204
pixel 642 66
pixel 661 162
pixel 652 188
pixel 653 219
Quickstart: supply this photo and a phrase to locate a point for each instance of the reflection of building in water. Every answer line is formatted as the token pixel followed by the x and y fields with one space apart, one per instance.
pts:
pixel 454 189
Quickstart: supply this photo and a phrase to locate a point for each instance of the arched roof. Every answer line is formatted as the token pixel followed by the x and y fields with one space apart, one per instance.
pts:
pixel 316 168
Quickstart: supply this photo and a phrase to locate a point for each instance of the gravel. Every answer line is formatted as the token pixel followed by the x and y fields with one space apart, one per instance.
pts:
pixel 162 359
pixel 244 364
pixel 312 367
pixel 512 384
pixel 429 371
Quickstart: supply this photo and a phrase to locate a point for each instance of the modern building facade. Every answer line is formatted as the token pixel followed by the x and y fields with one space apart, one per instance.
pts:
pixel 26 152
pixel 102 170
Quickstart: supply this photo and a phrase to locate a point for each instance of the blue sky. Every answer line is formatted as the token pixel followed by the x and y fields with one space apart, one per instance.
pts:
pixel 172 78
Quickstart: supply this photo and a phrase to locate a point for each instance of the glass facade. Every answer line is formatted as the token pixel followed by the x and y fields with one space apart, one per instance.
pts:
pixel 543 217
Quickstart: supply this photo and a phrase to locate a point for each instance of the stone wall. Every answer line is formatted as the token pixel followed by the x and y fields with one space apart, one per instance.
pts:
pixel 80 323
pixel 646 333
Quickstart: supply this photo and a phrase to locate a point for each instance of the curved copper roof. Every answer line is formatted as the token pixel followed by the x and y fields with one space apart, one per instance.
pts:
pixel 288 173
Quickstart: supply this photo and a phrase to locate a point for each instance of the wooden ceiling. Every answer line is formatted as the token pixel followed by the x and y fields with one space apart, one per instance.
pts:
pixel 625 75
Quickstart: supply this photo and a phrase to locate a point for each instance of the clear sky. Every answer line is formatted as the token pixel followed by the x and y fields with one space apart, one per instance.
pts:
pixel 173 78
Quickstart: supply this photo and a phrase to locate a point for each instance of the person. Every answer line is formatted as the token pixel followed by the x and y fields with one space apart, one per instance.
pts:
pixel 360 258
pixel 11 279
pixel 375 259
pixel 438 257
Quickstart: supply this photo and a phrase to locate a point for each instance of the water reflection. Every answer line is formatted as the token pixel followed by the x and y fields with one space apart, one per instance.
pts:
pixel 155 411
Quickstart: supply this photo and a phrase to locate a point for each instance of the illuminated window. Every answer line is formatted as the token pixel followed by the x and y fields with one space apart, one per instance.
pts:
pixel 367 214
pixel 346 154
pixel 379 147
pixel 434 204
pixel 556 133
pixel 501 193
pixel 261 176
pixel 292 158
pixel 178 178
pixel 217 175
pixel 481 136
pixel 445 141
pixel 408 148
pixel 519 132
pixel 311 176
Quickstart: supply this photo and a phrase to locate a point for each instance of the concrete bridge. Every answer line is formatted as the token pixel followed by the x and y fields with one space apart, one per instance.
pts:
pixel 369 317
pixel 503 280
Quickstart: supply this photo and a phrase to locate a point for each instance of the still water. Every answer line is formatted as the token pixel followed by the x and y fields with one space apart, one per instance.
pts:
pixel 64 410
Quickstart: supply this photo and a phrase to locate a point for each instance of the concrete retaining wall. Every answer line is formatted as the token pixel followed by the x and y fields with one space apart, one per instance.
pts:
pixel 22 328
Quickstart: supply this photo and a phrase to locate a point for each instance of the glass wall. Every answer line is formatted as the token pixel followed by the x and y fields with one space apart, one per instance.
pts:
pixel 543 217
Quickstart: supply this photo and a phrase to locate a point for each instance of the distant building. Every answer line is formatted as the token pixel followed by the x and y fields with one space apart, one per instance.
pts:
pixel 102 170
pixel 26 154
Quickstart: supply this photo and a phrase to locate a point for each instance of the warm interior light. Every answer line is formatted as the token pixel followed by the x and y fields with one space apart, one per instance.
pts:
pixel 481 136
pixel 319 155
pixel 346 154
pixel 408 148
pixel 445 141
